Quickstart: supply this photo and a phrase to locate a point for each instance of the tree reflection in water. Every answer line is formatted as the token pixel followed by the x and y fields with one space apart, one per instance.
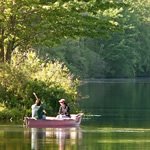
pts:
pixel 37 137
pixel 42 138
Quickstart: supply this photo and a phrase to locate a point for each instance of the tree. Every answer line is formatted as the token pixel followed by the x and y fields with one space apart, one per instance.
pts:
pixel 127 53
pixel 34 23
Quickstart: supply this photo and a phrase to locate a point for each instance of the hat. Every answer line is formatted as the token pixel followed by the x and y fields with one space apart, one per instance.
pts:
pixel 61 100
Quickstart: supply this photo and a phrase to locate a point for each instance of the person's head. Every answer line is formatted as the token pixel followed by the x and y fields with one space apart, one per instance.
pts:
pixel 38 102
pixel 62 102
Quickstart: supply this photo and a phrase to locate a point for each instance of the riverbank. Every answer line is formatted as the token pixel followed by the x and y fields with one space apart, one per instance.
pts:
pixel 115 80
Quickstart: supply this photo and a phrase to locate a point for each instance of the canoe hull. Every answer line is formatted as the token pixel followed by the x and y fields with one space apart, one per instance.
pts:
pixel 74 121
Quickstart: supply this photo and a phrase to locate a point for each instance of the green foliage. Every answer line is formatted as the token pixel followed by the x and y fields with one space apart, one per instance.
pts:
pixel 30 23
pixel 12 115
pixel 123 54
pixel 128 52
pixel 80 59
pixel 27 74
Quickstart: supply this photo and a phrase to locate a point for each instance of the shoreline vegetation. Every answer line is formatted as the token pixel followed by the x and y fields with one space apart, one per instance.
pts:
pixel 103 80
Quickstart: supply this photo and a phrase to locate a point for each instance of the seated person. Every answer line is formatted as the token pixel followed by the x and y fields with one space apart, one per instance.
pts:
pixel 64 110
pixel 38 111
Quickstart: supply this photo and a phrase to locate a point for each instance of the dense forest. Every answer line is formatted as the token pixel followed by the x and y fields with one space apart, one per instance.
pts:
pixel 122 53
pixel 46 46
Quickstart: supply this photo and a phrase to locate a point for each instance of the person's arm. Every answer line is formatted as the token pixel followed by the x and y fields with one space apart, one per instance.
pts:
pixel 35 95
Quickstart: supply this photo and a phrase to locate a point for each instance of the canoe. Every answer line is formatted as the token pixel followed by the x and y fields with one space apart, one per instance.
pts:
pixel 73 121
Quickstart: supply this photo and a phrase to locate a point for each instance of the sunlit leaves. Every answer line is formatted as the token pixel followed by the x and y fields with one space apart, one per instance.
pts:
pixel 27 73
pixel 47 72
pixel 47 23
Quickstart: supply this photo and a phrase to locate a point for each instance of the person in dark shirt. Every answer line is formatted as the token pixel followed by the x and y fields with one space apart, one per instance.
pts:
pixel 64 109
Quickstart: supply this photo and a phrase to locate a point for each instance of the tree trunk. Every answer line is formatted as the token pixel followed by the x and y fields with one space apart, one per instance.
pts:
pixel 11 42
pixel 2 55
pixel 9 50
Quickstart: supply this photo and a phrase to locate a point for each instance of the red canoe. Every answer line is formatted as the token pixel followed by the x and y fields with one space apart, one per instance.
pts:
pixel 74 121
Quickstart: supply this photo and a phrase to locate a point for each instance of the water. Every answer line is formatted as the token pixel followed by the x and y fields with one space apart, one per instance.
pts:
pixel 17 137
pixel 118 103
pixel 117 118
pixel 83 138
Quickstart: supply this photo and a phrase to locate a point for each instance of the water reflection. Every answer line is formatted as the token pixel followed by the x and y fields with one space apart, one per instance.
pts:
pixel 90 138
pixel 37 134
pixel 117 138
pixel 121 103
pixel 58 138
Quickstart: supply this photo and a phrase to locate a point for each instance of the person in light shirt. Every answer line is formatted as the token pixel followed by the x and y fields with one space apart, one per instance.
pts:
pixel 38 111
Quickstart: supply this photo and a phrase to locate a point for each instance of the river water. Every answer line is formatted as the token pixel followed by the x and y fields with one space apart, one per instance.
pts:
pixel 116 118
pixel 119 103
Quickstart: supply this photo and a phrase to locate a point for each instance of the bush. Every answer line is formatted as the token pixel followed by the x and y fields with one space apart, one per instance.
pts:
pixel 11 115
pixel 50 80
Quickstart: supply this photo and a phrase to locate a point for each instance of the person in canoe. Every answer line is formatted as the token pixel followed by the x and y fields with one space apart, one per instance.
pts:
pixel 64 109
pixel 38 111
